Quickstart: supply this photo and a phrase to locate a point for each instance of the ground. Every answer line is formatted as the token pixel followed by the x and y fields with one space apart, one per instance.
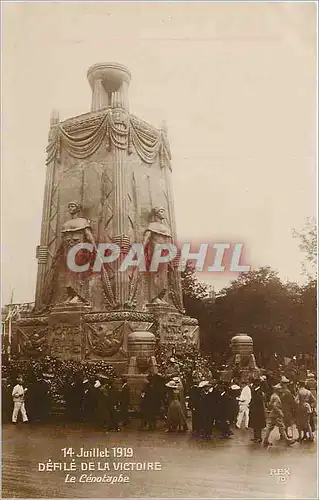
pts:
pixel 191 468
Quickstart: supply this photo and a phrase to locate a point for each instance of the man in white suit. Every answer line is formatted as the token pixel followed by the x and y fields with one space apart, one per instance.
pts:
pixel 18 393
pixel 244 400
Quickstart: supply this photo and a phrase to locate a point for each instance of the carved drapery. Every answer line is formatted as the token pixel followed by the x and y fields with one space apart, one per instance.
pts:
pixel 148 142
pixel 33 343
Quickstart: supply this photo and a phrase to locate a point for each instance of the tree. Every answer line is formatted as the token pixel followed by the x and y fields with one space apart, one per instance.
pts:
pixel 307 317
pixel 191 286
pixel 272 312
pixel 195 295
pixel 308 245
pixel 280 317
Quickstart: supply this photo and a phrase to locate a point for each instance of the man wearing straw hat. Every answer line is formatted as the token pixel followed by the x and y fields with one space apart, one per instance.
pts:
pixel 18 394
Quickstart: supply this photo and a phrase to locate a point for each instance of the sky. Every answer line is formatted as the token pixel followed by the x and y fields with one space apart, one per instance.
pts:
pixel 235 83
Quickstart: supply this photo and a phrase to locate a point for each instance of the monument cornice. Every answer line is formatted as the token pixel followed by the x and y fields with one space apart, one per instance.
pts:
pixel 92 118
pixel 81 136
pixel 33 321
pixel 84 121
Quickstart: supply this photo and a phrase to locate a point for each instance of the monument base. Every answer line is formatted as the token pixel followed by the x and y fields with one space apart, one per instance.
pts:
pixel 123 339
pixel 75 332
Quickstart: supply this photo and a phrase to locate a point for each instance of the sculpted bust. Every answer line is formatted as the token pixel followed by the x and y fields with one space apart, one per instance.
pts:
pixel 157 232
pixel 74 227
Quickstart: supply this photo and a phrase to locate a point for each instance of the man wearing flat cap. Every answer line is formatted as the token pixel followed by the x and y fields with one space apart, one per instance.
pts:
pixel 288 405
pixel 276 418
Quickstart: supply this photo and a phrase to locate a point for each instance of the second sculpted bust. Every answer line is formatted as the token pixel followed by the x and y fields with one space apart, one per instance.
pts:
pixel 157 232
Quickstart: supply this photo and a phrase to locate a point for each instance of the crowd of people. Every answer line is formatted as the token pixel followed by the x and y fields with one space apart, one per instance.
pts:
pixel 186 387
pixel 257 404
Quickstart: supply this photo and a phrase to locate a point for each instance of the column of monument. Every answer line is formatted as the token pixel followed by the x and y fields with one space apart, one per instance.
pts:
pixel 176 275
pixel 42 249
pixel 120 222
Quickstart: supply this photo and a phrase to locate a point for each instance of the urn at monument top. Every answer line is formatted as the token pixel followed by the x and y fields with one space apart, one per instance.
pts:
pixel 109 83
pixel 242 344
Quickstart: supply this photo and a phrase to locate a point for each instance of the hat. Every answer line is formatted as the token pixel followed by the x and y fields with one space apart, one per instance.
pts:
pixel 311 375
pixel 97 384
pixel 176 379
pixel 284 379
pixel 85 381
pixel 172 360
pixel 171 385
pixel 203 383
pixel 263 378
pixel 235 387
pixel 277 386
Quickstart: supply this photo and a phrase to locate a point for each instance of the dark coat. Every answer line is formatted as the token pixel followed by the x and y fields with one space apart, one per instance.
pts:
pixel 194 402
pixel 257 415
pixel 149 401
pixel 205 409
pixel 194 397
pixel 223 404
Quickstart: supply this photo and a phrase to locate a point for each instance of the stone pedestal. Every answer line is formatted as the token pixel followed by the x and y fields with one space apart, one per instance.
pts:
pixel 65 329
pixel 244 360
pixel 141 362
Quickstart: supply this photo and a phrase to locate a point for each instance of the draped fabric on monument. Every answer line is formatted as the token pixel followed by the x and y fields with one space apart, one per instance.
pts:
pixel 121 130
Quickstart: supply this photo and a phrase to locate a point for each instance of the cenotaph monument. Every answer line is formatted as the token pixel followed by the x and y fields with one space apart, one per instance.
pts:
pixel 108 180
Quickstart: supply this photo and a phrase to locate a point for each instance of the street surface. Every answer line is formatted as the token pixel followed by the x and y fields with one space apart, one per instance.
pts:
pixel 191 468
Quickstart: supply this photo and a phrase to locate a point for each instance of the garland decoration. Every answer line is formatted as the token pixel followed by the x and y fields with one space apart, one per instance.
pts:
pixel 119 129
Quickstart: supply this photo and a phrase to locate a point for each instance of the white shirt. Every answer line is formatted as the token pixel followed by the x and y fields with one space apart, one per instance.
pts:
pixel 18 393
pixel 245 395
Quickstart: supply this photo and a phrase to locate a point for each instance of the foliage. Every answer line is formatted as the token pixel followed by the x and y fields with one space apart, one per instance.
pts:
pixel 188 361
pixel 195 294
pixel 61 372
pixel 308 245
pixel 281 317
pixel 191 286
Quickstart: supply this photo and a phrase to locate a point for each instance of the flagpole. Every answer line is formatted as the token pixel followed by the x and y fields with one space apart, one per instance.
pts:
pixel 10 327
